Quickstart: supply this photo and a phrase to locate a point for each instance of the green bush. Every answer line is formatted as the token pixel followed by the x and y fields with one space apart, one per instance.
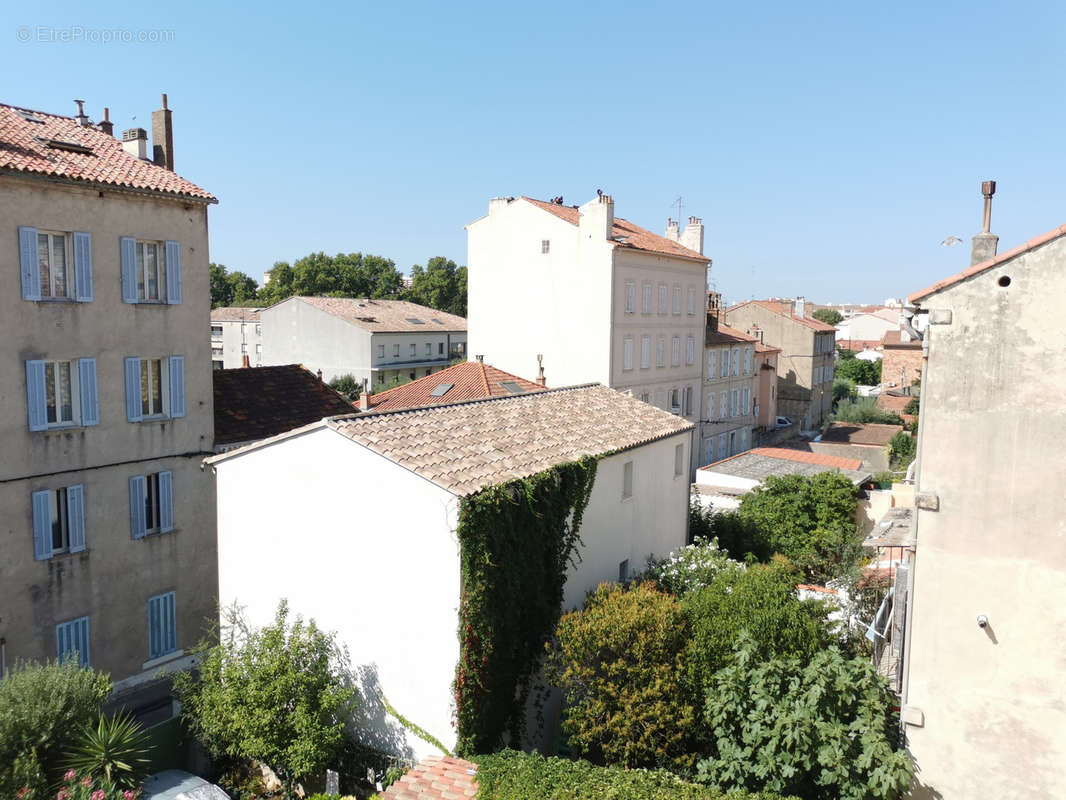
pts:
pixel 115 749
pixel 863 410
pixel 860 371
pixel 822 730
pixel 41 706
pixel 690 568
pixel 510 775
pixel 348 386
pixel 843 389
pixel 760 600
pixel 620 665
pixel 902 448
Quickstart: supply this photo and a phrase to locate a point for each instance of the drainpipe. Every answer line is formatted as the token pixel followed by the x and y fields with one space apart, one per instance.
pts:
pixel 908 313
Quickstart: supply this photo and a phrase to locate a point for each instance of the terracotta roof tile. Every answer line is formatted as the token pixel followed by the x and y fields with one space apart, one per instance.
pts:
pixel 470 381
pixel 465 447
pixel 436 778
pixel 633 236
pixel 385 315
pixel 235 314
pixel 252 404
pixel 24 148
pixel 895 339
pixel 977 269
pixel 858 345
pixel 727 335
pixel 785 310
pixel 869 433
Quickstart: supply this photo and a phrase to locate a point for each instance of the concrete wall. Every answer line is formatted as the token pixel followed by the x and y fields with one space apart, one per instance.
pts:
pixel 236 333
pixel 874 459
pixel 110 581
pixel 295 332
pixel 984 707
pixel 715 428
pixel 766 390
pixel 867 326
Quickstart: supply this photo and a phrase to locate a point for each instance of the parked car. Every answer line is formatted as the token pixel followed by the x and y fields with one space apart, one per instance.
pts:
pixel 176 784
pixel 783 422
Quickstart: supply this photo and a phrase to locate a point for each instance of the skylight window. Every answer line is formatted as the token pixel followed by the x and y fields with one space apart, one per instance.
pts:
pixel 441 390
pixel 29 116
pixel 415 321
pixel 434 319
pixel 512 387
pixel 59 144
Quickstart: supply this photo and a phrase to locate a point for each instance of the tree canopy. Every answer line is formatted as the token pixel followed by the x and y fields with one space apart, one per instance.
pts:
pixel 829 316
pixel 860 371
pixel 441 285
pixel 231 288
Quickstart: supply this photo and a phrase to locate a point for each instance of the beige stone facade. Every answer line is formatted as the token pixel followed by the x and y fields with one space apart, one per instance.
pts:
pixel 108 587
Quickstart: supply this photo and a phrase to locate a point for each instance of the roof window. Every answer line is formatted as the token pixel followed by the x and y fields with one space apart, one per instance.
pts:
pixel 512 387
pixel 415 321
pixel 29 116
pixel 441 390
pixel 59 144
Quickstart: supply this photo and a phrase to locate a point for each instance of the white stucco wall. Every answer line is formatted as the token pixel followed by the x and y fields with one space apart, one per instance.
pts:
pixel 991 702
pixel 295 332
pixel 361 545
pixel 234 334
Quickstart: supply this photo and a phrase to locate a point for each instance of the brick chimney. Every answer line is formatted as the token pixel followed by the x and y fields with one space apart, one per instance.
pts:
pixel 673 230
pixel 163 137
pixel 985 243
pixel 692 238
pixel 246 363
pixel 135 142
pixel 597 218
pixel 364 400
pixel 106 125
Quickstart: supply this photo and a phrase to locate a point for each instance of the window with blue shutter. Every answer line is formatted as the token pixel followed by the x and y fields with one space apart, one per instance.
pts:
pixel 83 267
pixel 42 525
pixel 162 627
pixel 137 507
pixel 177 386
pixel 76 517
pixel 173 268
pixel 133 389
pixel 29 264
pixel 90 406
pixel 36 400
pixel 127 247
pixel 73 637
pixel 166 501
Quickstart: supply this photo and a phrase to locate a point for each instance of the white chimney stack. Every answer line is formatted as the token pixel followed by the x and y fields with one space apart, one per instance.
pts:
pixel 135 142
pixel 673 230
pixel 801 306
pixel 597 217
pixel 692 238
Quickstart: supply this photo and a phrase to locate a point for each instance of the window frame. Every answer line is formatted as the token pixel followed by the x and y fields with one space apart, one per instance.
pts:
pixel 664 299
pixel 645 352
pixel 675 351
pixel 164 387
pixel 141 266
pixel 627 353
pixel 67 629
pixel 627 481
pixel 51 373
pixel 167 601
pixel 679 460
pixel 645 298
pixel 660 352
pixel 545 246
pixel 68 265
pixel 677 301
pixel 630 297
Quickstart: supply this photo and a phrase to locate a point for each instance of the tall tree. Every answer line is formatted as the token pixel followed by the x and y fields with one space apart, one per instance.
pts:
pixel 830 316
pixel 278 284
pixel 342 275
pixel 441 284
pixel 230 288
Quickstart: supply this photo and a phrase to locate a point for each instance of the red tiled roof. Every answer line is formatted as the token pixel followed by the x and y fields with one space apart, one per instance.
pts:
pixel 636 237
pixel 976 269
pixel 436 778
pixel 869 433
pixel 726 335
pixel 765 348
pixel 470 381
pixel 254 403
pixel 895 339
pixel 24 149
pixel 384 315
pixel 235 314
pixel 785 310
pixel 804 457
pixel 859 345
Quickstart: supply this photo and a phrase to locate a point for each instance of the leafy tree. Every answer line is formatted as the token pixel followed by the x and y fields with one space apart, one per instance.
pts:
pixel 863 410
pixel 691 568
pixel 278 284
pixel 279 694
pixel 41 708
pixel 620 665
pixel 231 288
pixel 902 448
pixel 441 285
pixel 822 730
pixel 843 389
pixel 348 386
pixel 809 520
pixel 860 371
pixel 830 316
pixel 760 600
pixel 843 354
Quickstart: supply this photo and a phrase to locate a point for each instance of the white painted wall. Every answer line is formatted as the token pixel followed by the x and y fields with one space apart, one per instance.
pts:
pixel 363 546
pixel 295 332
pixel 234 334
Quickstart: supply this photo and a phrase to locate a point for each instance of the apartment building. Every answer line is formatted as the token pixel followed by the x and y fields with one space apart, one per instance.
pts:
pixel 376 341
pixel 107 522
pixel 602 299
pixel 806 361
pixel 236 338
pixel 730 389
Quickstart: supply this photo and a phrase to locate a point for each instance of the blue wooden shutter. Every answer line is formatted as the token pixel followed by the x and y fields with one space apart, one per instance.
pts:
pixel 166 501
pixel 133 389
pixel 73 637
pixel 42 525
pixel 177 386
pixel 90 406
pixel 76 517
pixel 127 247
pixel 137 521
pixel 162 628
pixel 29 263
pixel 173 268
pixel 36 395
pixel 83 267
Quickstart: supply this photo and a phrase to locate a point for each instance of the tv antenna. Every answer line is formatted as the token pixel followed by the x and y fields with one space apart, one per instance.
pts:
pixel 679 202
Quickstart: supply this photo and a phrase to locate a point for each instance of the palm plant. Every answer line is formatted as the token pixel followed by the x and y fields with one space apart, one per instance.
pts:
pixel 116 749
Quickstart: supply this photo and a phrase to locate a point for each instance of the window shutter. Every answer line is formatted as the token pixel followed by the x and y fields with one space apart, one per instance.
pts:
pixel 690 350
pixel 724 373
pixel 712 364
pixel 627 353
pixel 173 268
pixel 73 637
pixel 42 525
pixel 83 267
pixel 137 521
pixel 723 405
pixel 177 386
pixel 29 263
pixel 76 517
pixel 127 248
pixel 162 631
pixel 736 360
pixel 36 400
pixel 166 501
pixel 90 406
pixel 133 389
pixel 155 647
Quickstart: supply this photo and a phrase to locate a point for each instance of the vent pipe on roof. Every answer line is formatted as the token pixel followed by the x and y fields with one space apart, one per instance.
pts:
pixel 106 125
pixel 163 137
pixel 540 370
pixel 82 119
pixel 986 242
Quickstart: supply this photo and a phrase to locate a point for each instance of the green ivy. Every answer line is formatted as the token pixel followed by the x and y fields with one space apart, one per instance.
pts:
pixel 517 542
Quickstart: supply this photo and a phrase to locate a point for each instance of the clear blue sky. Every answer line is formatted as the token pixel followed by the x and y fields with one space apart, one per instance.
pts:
pixel 829 148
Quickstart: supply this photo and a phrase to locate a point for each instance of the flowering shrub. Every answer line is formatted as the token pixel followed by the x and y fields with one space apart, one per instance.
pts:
pixel 84 787
pixel 691 568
